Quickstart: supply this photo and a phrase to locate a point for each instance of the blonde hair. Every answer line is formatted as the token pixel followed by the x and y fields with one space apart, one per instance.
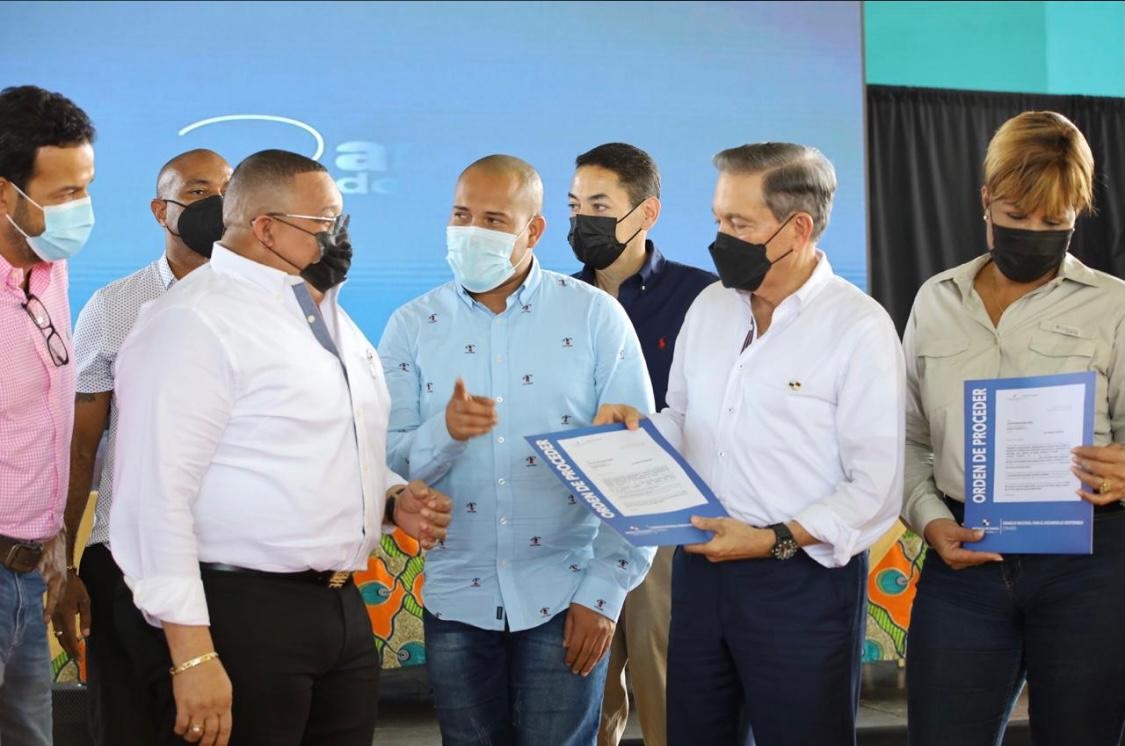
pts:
pixel 1040 160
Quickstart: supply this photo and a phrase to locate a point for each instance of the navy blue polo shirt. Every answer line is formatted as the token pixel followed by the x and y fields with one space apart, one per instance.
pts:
pixel 657 299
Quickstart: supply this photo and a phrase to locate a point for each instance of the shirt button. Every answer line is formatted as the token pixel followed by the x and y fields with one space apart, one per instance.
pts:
pixel 499 400
pixel 503 563
pixel 730 410
pixel 499 358
pixel 311 319
pixel 722 453
pixel 500 439
pixel 503 521
pixel 501 482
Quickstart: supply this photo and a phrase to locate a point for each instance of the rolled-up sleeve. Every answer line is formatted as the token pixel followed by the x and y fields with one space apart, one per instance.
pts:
pixel 869 430
pixel 175 390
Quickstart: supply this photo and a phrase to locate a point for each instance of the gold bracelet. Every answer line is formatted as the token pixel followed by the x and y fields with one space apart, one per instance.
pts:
pixel 188 665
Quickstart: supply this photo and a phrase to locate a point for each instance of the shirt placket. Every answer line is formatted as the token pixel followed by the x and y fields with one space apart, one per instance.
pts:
pixel 499 368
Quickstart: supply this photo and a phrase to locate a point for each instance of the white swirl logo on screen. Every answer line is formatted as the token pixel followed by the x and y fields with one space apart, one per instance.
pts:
pixel 360 166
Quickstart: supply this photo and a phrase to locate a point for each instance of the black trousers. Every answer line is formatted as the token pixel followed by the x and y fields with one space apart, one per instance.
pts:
pixel 120 711
pixel 301 658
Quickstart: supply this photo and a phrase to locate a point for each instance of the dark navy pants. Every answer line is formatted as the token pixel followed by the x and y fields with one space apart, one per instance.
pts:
pixel 765 652
pixel 1057 621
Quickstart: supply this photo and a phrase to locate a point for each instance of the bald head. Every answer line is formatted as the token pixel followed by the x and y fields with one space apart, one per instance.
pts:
pixel 525 186
pixel 194 165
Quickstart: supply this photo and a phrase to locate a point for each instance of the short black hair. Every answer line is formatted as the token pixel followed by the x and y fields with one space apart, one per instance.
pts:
pixel 634 167
pixel 267 170
pixel 32 118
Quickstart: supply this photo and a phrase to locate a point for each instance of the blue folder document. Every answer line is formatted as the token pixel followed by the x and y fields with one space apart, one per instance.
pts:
pixel 633 480
pixel 1019 488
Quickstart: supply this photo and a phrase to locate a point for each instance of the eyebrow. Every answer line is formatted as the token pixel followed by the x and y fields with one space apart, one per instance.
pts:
pixel 193 182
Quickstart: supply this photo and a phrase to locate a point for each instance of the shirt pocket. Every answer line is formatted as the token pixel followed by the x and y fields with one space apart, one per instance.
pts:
pixel 941 371
pixel 1053 351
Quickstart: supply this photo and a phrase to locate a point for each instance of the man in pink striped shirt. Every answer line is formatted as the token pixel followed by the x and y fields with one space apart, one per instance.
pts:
pixel 46 166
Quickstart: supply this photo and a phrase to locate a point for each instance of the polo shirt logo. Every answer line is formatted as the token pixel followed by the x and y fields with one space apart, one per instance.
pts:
pixel 661 343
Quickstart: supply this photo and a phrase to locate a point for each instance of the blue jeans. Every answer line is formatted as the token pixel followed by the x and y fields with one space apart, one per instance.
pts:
pixel 1056 620
pixel 25 663
pixel 499 688
pixel 765 651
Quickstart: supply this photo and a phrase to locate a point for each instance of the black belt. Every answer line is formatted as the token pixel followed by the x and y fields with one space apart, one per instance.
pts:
pixel 19 555
pixel 958 508
pixel 328 578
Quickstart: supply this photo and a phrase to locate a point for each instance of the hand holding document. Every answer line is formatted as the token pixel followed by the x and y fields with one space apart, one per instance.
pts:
pixel 633 480
pixel 1019 487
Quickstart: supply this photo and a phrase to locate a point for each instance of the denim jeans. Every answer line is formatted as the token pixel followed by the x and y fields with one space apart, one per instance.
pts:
pixel 499 688
pixel 1055 620
pixel 25 663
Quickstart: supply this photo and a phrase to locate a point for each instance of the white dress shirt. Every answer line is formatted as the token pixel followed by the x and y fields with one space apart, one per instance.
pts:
pixel 237 438
pixel 806 423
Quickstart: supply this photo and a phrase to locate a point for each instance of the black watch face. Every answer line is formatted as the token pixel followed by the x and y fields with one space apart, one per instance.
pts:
pixel 785 549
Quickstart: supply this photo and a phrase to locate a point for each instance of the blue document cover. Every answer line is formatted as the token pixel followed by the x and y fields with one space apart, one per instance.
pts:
pixel 641 528
pixel 1018 434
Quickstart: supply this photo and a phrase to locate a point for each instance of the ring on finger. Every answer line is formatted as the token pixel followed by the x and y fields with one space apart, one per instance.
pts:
pixel 196 728
pixel 1104 487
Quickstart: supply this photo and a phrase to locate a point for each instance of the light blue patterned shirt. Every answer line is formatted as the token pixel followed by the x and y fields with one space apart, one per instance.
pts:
pixel 520 549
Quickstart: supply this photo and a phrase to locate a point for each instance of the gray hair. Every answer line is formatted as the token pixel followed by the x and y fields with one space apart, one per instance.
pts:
pixel 796 178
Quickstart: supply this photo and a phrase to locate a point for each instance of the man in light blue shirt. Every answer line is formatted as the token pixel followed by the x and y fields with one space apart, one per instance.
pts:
pixel 523 595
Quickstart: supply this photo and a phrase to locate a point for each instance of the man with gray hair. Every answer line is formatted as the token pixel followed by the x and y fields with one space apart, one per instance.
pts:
pixel 787 395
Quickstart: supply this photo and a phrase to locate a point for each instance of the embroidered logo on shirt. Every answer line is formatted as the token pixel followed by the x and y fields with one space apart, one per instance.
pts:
pixel 432 318
pixel 795 385
pixel 661 343
pixel 472 507
pixel 404 367
pixel 527 380
pixel 530 460
pixel 621 355
pixel 525 307
pixel 475 583
pixel 470 349
pixel 544 611
pixel 429 387
pixel 566 418
pixel 622 564
pixel 568 341
pixel 571 500
pixel 562 283
pixel 600 603
pixel 535 541
pixel 575 568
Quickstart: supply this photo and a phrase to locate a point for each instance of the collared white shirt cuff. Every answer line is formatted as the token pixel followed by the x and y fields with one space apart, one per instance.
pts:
pixel 171 599
pixel 823 524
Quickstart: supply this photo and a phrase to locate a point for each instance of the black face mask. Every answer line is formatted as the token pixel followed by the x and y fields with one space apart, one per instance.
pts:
pixel 335 259
pixel 200 224
pixel 594 239
pixel 1024 256
pixel 743 265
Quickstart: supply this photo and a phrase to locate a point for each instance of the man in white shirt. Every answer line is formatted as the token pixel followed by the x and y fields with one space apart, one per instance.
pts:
pixel 787 395
pixel 250 480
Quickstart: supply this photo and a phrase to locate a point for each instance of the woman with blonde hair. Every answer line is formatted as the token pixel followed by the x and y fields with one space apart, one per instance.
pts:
pixel 983 623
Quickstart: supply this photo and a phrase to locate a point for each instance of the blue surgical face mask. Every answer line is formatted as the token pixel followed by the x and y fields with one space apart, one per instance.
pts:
pixel 67 226
pixel 481 259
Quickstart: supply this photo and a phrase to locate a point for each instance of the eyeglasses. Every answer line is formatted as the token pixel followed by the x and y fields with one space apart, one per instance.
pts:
pixel 55 344
pixel 335 221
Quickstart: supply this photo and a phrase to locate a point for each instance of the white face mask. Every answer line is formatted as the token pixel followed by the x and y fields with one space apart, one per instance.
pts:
pixel 67 226
pixel 481 259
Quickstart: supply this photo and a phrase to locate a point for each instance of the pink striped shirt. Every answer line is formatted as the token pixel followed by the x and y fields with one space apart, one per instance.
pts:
pixel 36 405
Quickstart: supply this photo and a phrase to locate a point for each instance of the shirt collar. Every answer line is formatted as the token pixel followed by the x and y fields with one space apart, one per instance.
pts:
pixel 1072 269
pixel 13 277
pixel 164 269
pixel 650 269
pixel 224 261
pixel 524 294
pixel 820 276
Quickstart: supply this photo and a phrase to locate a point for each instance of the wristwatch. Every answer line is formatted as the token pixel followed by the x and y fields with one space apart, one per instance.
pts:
pixel 785 547
pixel 391 504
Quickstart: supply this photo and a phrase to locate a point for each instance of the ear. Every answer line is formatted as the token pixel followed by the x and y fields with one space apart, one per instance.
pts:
pixel 985 200
pixel 159 210
pixel 8 196
pixel 651 209
pixel 803 226
pixel 262 228
pixel 535 231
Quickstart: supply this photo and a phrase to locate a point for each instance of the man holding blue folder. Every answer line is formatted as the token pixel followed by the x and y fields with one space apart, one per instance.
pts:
pixel 786 395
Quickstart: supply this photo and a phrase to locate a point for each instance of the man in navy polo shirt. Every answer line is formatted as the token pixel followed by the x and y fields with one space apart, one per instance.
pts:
pixel 614 203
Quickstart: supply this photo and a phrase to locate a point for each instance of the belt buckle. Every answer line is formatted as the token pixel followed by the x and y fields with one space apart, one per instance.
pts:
pixel 339 579
pixel 16 561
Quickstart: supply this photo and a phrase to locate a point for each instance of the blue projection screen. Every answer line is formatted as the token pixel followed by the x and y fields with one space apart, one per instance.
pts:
pixel 396 98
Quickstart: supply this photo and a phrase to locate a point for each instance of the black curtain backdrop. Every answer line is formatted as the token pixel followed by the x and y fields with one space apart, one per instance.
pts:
pixel 925 147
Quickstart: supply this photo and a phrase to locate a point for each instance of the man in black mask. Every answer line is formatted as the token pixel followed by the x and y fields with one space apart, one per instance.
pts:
pixel 189 208
pixel 787 395
pixel 614 202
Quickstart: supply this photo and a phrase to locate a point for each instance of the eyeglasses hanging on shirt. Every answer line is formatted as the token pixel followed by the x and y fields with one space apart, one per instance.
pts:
pixel 56 346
